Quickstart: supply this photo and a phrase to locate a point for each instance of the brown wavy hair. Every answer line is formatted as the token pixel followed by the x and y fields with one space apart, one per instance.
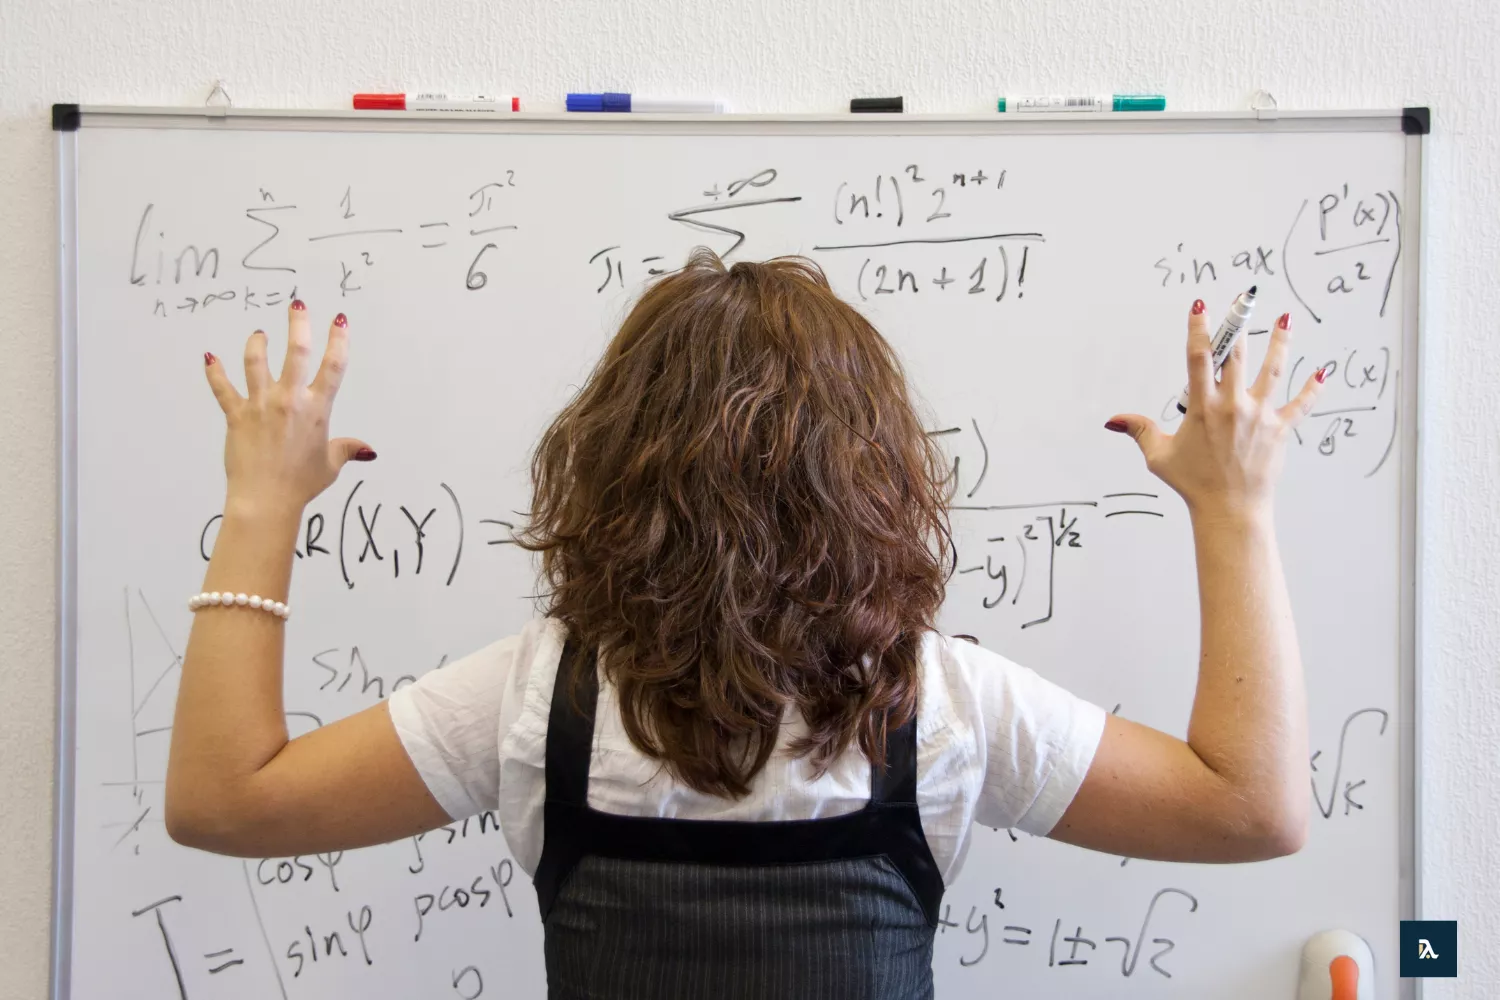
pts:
pixel 742 512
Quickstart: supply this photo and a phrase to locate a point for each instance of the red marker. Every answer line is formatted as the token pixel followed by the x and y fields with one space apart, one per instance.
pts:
pixel 435 102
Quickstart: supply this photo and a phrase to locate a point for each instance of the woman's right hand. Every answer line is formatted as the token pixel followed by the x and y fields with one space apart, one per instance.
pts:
pixel 1227 454
pixel 1236 789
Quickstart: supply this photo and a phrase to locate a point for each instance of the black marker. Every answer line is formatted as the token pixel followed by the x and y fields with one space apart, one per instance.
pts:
pixel 876 104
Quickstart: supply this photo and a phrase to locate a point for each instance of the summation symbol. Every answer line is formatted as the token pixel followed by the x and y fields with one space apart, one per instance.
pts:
pixel 690 216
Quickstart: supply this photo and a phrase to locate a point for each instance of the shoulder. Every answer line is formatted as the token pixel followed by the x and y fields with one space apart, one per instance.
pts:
pixel 477 698
pixel 538 651
pixel 453 720
pixel 537 647
pixel 539 639
pixel 956 672
pixel 964 683
pixel 503 664
pixel 951 727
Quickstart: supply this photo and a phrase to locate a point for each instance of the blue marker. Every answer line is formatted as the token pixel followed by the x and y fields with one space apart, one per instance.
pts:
pixel 643 105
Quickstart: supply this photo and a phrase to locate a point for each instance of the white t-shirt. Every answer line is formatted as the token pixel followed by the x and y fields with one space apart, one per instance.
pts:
pixel 996 744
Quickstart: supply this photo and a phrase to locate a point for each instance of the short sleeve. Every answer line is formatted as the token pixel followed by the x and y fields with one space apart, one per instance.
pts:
pixel 1039 740
pixel 452 720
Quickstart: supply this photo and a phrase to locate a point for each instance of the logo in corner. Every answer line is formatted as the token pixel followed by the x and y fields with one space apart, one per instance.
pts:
pixel 1429 949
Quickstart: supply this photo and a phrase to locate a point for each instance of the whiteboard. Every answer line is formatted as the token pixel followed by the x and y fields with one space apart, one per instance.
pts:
pixel 1034 276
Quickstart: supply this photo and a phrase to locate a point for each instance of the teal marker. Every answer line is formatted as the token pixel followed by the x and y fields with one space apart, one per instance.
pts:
pixel 1087 102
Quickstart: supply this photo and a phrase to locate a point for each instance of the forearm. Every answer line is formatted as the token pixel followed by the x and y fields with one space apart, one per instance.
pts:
pixel 229 721
pixel 1249 720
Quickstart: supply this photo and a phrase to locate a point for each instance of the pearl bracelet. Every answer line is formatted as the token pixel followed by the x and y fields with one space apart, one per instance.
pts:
pixel 226 599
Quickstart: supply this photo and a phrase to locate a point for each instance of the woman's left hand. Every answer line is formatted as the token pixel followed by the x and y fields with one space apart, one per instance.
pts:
pixel 277 454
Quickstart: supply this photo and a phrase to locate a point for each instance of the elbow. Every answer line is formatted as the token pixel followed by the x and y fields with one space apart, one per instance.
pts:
pixel 205 824
pixel 190 825
pixel 1284 840
pixel 1277 833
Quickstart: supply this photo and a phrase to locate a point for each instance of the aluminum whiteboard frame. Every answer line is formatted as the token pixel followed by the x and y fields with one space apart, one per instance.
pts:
pixel 1409 399
pixel 67 565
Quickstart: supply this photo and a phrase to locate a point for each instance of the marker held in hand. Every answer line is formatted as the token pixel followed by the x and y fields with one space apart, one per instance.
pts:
pixel 1229 332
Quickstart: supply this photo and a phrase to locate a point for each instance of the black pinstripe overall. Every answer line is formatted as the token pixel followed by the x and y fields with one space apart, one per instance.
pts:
pixel 650 909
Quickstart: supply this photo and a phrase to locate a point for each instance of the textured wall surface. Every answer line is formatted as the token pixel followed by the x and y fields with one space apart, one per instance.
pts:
pixel 793 55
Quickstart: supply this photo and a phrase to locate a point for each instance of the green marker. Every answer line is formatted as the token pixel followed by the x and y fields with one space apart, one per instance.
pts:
pixel 1089 102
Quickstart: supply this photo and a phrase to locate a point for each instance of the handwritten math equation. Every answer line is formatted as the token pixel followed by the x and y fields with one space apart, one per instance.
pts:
pixel 1363 401
pixel 298 947
pixel 722 220
pixel 1337 777
pixel 369 534
pixel 298 939
pixel 907 253
pixel 402 540
pixel 1024 544
pixel 1358 415
pixel 283 243
pixel 992 928
pixel 938 231
pixel 1341 249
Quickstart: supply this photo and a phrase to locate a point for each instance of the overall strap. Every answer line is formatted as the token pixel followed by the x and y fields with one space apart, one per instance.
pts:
pixel 570 743
pixel 570 728
pixel 896 783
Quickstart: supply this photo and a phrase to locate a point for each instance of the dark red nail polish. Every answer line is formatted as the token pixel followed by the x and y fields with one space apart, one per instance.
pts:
pixel 365 455
pixel 1285 322
pixel 208 358
pixel 297 304
pixel 1118 426
pixel 1198 307
pixel 1321 374
pixel 341 320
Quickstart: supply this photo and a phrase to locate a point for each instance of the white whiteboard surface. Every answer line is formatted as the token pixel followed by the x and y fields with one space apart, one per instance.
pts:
pixel 1034 276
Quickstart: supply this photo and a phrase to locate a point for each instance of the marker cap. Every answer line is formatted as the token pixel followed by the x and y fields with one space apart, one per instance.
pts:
pixel 380 102
pixel 598 102
pixel 1139 102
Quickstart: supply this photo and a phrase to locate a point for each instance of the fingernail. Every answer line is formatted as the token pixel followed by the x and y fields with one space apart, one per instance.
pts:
pixel 208 358
pixel 297 304
pixel 1321 374
pixel 365 455
pixel 341 320
pixel 1198 307
pixel 1285 322
pixel 1118 426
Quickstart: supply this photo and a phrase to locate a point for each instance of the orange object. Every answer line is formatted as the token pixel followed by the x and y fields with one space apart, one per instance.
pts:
pixel 1344 972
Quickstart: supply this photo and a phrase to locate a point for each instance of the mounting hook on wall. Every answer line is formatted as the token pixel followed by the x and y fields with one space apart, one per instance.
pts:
pixel 224 103
pixel 1263 103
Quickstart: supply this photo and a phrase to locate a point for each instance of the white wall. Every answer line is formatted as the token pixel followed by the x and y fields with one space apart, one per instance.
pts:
pixel 798 55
